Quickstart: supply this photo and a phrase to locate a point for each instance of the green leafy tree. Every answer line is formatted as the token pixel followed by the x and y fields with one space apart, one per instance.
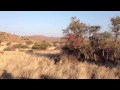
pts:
pixel 115 21
pixel 116 27
pixel 93 30
pixel 76 28
pixel 74 35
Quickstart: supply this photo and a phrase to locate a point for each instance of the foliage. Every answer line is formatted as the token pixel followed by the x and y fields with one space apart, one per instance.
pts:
pixel 42 46
pixel 115 21
pixel 29 42
pixel 8 43
pixel 20 46
pixel 100 47
pixel 54 43
pixel 10 48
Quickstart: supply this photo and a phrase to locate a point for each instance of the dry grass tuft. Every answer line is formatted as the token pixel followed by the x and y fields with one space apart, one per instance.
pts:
pixel 22 65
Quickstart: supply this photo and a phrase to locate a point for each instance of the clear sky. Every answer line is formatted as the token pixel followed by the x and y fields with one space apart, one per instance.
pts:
pixel 50 23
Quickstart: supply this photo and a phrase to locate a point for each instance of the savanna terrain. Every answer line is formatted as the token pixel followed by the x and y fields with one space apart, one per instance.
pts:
pixel 82 53
pixel 35 64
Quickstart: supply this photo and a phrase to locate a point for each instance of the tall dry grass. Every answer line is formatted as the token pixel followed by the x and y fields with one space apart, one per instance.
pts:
pixel 24 65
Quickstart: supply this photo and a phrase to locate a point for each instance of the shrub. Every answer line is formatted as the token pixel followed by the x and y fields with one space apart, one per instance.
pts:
pixel 42 46
pixel 39 46
pixel 21 50
pixel 54 43
pixel 26 38
pixel 11 48
pixel 29 42
pixel 29 51
pixel 20 46
pixel 8 43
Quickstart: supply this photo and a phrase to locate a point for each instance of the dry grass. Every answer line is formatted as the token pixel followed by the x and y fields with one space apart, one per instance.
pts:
pixel 24 65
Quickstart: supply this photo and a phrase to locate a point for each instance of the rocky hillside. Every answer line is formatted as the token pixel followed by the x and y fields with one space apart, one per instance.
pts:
pixel 7 37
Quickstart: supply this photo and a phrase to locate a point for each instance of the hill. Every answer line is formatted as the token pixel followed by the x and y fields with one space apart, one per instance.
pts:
pixel 41 38
pixel 8 37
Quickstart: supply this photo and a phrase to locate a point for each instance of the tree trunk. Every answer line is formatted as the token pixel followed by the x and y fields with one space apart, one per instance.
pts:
pixel 114 56
pixel 94 56
pixel 107 56
pixel 103 53
pixel 116 36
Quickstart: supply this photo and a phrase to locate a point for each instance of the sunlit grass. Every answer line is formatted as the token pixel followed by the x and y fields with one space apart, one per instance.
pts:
pixel 25 65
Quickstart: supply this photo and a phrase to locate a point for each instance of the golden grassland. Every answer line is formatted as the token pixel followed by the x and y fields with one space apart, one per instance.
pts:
pixel 38 65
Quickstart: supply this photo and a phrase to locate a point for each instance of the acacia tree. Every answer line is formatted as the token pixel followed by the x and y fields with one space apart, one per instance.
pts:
pixel 93 35
pixel 75 32
pixel 74 36
pixel 93 30
pixel 116 27
pixel 100 46
pixel 105 36
pixel 104 45
pixel 115 21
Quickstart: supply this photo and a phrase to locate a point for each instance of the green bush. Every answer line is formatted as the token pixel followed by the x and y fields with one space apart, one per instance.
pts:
pixel 54 43
pixel 8 43
pixel 11 48
pixel 21 50
pixel 42 46
pixel 20 46
pixel 29 42
pixel 29 51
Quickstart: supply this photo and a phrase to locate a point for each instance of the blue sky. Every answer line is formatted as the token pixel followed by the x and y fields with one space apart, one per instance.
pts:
pixel 50 23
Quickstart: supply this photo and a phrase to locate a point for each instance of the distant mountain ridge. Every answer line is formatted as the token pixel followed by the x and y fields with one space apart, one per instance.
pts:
pixel 42 37
pixel 4 36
